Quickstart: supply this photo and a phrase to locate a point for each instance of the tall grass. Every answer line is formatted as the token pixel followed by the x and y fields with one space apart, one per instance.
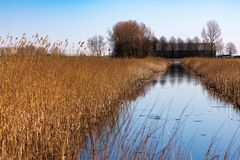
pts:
pixel 219 75
pixel 49 103
pixel 39 45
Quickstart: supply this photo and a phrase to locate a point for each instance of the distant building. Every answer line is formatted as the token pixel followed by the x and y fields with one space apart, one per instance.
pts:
pixel 223 55
pixel 226 55
pixel 181 50
pixel 236 55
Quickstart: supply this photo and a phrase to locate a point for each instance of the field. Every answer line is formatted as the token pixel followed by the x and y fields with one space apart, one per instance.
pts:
pixel 220 75
pixel 48 103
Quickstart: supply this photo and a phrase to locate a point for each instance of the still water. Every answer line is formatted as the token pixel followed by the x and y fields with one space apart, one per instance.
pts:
pixel 175 115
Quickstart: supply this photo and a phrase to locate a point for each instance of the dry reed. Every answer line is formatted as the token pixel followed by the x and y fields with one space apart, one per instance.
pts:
pixel 220 75
pixel 48 103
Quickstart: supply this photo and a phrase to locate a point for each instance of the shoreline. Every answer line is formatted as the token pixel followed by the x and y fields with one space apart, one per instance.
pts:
pixel 214 85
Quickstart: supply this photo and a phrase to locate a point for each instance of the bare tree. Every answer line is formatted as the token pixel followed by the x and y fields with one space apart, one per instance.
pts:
pixel 189 43
pixel 163 39
pixel 196 42
pixel 180 47
pixel 145 47
pixel 231 48
pixel 97 45
pixel 180 40
pixel 162 46
pixel 173 45
pixel 154 42
pixel 163 43
pixel 188 40
pixel 211 34
pixel 131 39
pixel 173 42
pixel 180 44
pixel 220 46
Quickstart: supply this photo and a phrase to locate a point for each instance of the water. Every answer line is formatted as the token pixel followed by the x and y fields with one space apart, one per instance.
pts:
pixel 176 101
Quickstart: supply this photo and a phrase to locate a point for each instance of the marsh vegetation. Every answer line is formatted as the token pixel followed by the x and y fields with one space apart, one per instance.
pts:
pixel 48 103
pixel 220 75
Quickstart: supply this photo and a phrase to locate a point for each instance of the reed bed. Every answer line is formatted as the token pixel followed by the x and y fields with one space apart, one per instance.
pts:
pixel 48 104
pixel 221 75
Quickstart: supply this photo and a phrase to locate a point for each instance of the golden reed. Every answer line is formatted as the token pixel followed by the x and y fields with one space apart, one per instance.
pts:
pixel 48 103
pixel 219 74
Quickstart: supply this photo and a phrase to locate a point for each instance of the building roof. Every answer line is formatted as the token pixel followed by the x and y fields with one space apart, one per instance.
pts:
pixel 183 46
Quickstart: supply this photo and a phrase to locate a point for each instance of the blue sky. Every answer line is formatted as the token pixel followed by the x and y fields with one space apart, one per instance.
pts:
pixel 81 19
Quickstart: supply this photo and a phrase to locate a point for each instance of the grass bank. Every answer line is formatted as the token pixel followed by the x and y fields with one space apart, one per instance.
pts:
pixel 48 103
pixel 219 74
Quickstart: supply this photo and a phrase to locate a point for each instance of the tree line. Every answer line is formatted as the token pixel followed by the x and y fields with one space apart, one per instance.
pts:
pixel 126 39
pixel 133 39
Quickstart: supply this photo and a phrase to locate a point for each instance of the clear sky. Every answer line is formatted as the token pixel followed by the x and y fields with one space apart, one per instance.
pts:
pixel 81 19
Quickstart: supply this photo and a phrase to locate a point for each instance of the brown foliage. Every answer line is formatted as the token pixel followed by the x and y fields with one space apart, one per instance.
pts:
pixel 48 103
pixel 131 39
pixel 221 75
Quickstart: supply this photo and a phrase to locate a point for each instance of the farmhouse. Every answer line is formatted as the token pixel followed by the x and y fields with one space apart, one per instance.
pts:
pixel 181 50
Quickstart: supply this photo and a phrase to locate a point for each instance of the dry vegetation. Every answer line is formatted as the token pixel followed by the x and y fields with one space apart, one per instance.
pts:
pixel 48 103
pixel 219 75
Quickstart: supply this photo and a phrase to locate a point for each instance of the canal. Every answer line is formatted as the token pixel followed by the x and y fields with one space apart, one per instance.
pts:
pixel 175 117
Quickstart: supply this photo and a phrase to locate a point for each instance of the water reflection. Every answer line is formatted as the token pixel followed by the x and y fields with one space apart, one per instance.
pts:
pixel 175 74
pixel 173 116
